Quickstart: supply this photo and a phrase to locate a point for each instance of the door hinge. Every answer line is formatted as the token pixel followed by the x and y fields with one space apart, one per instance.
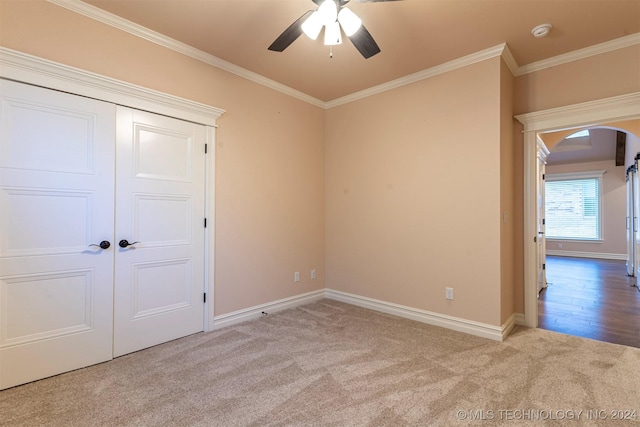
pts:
pixel 544 266
pixel 204 297
pixel 544 221
pixel 205 223
pixel 535 239
pixel 206 147
pixel 544 176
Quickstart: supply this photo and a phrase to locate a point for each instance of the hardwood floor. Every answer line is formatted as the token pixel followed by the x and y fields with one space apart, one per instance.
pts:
pixel 591 298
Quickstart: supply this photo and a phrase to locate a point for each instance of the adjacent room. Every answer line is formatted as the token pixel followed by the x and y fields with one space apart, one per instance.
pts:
pixel 590 229
pixel 314 212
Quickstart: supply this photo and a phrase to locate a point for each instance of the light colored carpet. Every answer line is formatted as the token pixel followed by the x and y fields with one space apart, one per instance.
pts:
pixel 333 364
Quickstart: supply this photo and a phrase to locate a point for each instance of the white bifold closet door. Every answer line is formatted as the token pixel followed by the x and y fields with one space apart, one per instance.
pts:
pixel 73 184
pixel 159 282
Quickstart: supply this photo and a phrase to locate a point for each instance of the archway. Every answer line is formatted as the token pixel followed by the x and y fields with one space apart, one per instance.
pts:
pixel 621 110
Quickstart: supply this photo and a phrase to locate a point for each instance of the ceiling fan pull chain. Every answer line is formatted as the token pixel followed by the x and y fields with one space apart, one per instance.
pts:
pixel 331 52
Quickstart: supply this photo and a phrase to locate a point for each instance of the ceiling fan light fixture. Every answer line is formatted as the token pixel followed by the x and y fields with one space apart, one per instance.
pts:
pixel 329 12
pixel 313 25
pixel 332 34
pixel 336 20
pixel 349 21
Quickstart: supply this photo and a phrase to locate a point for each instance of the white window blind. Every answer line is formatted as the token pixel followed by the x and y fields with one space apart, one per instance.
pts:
pixel 573 206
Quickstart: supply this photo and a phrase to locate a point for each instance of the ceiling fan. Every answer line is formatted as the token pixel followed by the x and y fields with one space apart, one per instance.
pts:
pixel 336 18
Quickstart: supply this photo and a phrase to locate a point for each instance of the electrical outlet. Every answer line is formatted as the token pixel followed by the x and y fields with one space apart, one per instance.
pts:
pixel 296 276
pixel 449 293
pixel 313 274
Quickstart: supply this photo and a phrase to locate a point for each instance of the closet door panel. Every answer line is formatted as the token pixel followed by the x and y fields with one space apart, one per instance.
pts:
pixel 159 282
pixel 56 201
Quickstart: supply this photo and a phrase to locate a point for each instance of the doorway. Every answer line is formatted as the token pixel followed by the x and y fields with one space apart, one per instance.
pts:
pixel 616 109
pixel 588 292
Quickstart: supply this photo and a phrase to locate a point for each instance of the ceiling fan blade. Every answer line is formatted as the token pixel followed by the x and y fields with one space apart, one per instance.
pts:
pixel 289 35
pixel 364 42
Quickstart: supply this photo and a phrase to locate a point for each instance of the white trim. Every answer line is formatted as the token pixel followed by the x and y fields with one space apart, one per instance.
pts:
pixel 436 319
pixel 508 326
pixel 496 333
pixel 182 48
pixel 598 49
pixel 30 69
pixel 564 176
pixel 509 60
pixel 624 107
pixel 257 310
pixel 210 229
pixel 595 255
pixel 560 240
pixel 421 75
pixel 160 39
pixel 137 30
pixel 543 151
pixel 519 319
pixel 618 108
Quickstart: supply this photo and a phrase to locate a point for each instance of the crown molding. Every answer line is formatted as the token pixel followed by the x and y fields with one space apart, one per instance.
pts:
pixel 598 49
pixel 509 60
pixel 21 67
pixel 617 108
pixel 115 21
pixel 182 48
pixel 105 17
pixel 421 75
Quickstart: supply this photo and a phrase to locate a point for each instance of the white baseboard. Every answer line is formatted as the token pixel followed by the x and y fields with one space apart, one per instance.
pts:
pixel 496 333
pixel 457 324
pixel 597 255
pixel 271 307
pixel 508 326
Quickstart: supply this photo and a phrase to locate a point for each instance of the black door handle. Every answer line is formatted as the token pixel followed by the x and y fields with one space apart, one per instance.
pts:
pixel 124 243
pixel 103 245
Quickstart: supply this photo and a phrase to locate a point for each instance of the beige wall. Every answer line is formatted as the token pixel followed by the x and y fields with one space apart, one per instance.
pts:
pixel 508 255
pixel 269 153
pixel 413 194
pixel 597 77
pixel 614 204
pixel 416 178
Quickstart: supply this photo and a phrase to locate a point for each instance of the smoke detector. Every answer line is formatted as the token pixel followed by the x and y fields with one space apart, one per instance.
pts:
pixel 541 30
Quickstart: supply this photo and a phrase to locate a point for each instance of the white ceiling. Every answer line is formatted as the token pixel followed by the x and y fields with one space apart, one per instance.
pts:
pixel 413 35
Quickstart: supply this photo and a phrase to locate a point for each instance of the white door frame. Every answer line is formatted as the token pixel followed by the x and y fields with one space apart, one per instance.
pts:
pixel 21 67
pixel 542 154
pixel 619 108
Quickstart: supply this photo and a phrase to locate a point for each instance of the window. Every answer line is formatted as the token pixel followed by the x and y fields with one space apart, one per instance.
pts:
pixel 579 134
pixel 573 206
